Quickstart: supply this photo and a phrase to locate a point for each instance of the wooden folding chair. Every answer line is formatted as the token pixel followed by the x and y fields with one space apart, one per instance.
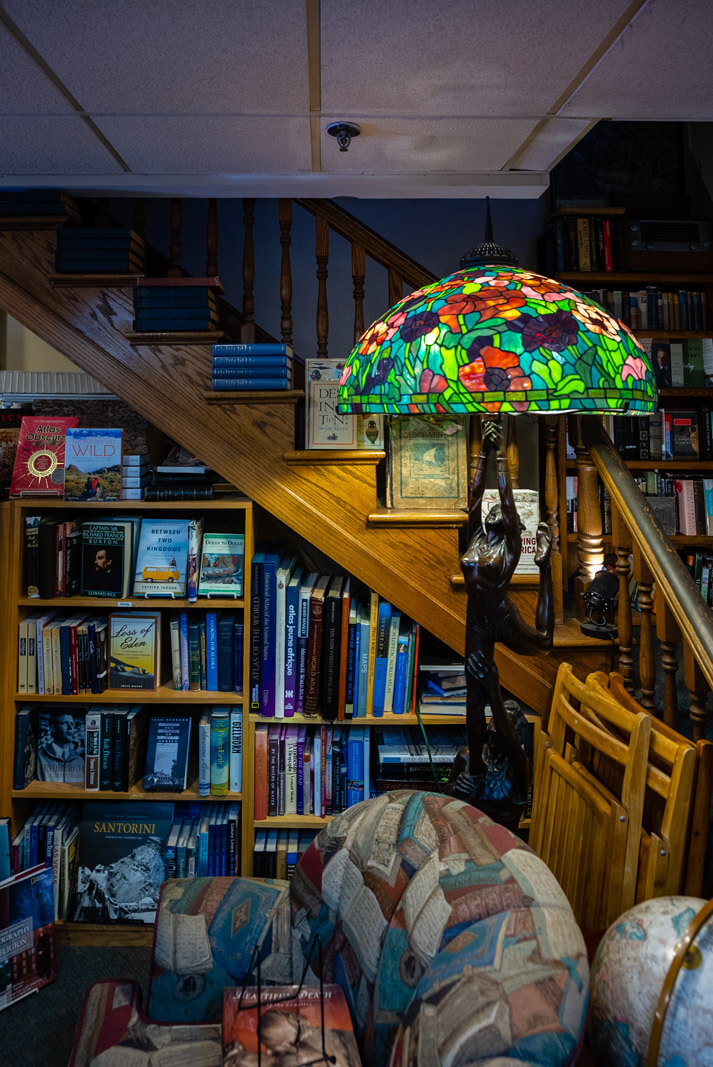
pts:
pixel 587 833
pixel 677 803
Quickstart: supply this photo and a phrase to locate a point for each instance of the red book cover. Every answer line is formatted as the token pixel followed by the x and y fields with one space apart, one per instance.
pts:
pixel 314 646
pixel 606 234
pixel 39 461
pixel 260 800
pixel 343 650
pixel 294 1023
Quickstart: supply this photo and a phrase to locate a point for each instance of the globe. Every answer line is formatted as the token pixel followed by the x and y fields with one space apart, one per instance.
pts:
pixel 627 976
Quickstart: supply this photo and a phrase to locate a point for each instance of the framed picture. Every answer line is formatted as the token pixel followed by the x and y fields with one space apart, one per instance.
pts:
pixel 427 462
pixel 325 426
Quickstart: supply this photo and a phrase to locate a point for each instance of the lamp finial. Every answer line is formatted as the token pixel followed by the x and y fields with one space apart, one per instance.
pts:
pixel 488 254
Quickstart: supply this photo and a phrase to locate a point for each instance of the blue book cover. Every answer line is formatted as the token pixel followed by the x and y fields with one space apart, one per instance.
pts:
pixel 92 463
pixel 352 661
pixel 219 751
pixel 292 596
pixel 250 384
pixel 382 651
pixel 267 625
pixel 235 781
pixel 257 369
pixel 401 673
pixel 239 655
pixel 355 765
pixel 226 652
pixel 162 558
pixel 167 748
pixel 254 348
pixel 183 643
pixel 306 587
pixel 173 296
pixel 211 650
pixel 255 629
pixel 363 672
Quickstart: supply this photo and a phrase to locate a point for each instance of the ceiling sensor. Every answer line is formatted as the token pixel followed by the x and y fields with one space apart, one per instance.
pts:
pixel 343 131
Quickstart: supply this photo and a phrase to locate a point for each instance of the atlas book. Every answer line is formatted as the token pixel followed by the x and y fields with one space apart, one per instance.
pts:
pixel 121 860
pixel 326 426
pixel 162 558
pixel 38 469
pixel 527 502
pixel 134 650
pixel 167 749
pixel 92 463
pixel 221 569
pixel 308 1024
pixel 106 558
pixel 427 466
pixel 27 944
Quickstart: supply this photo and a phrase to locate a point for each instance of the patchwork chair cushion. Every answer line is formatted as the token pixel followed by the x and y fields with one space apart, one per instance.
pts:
pixel 452 940
pixel 204 934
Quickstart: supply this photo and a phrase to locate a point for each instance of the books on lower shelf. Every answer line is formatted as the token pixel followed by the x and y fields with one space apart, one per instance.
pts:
pixel 50 836
pixel 62 655
pixel 207 651
pixel 167 751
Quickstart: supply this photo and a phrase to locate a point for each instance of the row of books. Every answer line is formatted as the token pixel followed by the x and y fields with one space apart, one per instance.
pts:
pixel 204 839
pixel 110 747
pixel 652 308
pixel 67 655
pixel 700 565
pixel 406 758
pixel 130 556
pixel 584 243
pixel 317 649
pixel 207 651
pixel 175 307
pixel 681 505
pixel 93 249
pixel 686 363
pixel 248 367
pixel 276 853
pixel 670 433
pixel 310 770
pixel 50 836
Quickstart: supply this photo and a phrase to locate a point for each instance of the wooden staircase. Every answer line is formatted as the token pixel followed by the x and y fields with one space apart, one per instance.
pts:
pixel 329 500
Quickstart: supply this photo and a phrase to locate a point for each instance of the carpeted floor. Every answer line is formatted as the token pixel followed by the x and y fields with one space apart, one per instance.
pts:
pixel 39 1030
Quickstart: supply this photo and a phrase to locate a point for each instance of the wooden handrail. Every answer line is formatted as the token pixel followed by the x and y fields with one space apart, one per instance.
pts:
pixel 673 581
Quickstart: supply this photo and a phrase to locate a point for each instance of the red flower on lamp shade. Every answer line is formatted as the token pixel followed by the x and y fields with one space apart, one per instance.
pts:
pixel 494 370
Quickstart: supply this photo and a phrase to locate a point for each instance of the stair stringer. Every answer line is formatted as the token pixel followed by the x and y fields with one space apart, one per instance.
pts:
pixel 326 504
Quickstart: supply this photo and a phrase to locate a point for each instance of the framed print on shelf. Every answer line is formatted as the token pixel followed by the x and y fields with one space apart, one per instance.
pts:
pixel 325 426
pixel 427 464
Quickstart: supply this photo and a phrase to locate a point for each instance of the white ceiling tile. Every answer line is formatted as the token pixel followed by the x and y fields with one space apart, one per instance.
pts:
pixel 185 56
pixel 661 67
pixel 554 138
pixel 62 144
pixel 24 88
pixel 167 144
pixel 462 58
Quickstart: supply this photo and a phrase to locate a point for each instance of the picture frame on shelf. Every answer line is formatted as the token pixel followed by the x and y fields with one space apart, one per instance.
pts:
pixel 427 462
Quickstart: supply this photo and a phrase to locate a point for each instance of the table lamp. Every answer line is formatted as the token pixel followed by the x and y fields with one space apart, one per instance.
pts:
pixel 494 339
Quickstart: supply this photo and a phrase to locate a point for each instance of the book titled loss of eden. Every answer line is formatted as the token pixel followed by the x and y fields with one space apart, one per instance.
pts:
pixel 134 650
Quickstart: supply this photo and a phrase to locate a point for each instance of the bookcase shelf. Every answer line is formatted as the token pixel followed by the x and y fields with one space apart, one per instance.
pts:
pixel 165 694
pixel 135 603
pixel 65 791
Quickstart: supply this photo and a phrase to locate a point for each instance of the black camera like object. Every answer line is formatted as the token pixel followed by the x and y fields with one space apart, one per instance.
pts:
pixel 599 602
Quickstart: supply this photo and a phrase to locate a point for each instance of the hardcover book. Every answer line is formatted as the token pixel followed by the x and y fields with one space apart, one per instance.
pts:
pixel 308 1025
pixel 326 426
pixel 27 946
pixel 134 650
pixel 427 464
pixel 106 558
pixel 221 570
pixel 121 860
pixel 167 750
pixel 92 463
pixel 10 422
pixel 38 469
pixel 61 744
pixel 527 502
pixel 162 558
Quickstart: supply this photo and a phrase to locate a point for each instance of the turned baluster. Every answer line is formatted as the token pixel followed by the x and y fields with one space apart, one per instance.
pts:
pixel 247 329
pixel 358 279
pixel 697 687
pixel 284 216
pixel 621 538
pixel 513 454
pixel 174 248
pixel 396 287
pixel 211 239
pixel 322 257
pixel 647 661
pixel 590 547
pixel 550 437
pixel 669 636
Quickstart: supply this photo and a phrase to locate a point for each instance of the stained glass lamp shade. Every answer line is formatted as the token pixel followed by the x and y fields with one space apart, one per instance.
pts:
pixel 497 338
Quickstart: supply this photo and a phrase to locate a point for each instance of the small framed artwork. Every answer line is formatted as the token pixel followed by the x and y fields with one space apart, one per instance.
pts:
pixel 427 462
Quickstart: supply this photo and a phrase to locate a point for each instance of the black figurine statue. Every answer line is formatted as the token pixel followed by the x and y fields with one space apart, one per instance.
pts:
pixel 492 773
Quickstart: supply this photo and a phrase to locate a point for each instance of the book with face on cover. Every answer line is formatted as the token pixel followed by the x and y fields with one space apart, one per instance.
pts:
pixel 38 469
pixel 92 463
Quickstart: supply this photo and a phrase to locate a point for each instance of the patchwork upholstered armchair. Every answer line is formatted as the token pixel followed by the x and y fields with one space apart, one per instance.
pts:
pixel 451 939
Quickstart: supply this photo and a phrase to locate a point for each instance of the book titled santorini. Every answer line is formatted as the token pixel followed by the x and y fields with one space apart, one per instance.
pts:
pixel 92 463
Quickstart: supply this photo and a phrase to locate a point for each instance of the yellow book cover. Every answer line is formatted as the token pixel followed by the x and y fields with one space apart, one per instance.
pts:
pixel 134 650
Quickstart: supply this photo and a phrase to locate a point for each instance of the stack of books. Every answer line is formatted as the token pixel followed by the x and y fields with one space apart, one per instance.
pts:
pixel 94 249
pixel 38 203
pixel 251 367
pixel 175 307
pixel 136 475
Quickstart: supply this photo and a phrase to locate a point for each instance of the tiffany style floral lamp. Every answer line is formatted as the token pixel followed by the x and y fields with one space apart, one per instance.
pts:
pixel 493 339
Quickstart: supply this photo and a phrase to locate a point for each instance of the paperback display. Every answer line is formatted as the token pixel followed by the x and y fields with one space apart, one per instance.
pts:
pixel 527 502
pixel 306 1024
pixel 39 460
pixel 167 750
pixel 162 558
pixel 92 463
pixel 134 650
pixel 326 426
pixel 221 572
pixel 121 860
pixel 27 944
